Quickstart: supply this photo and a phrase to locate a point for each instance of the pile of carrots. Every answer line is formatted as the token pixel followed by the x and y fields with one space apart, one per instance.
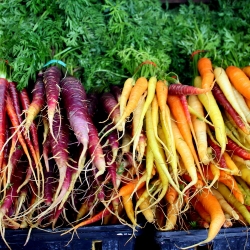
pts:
pixel 153 150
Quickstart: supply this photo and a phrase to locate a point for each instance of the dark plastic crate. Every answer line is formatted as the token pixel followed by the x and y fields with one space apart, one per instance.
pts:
pixel 227 239
pixel 115 237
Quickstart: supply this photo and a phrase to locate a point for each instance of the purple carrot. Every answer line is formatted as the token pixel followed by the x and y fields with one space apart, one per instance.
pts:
pixel 92 104
pixel 113 142
pixel 110 106
pixel 222 100
pixel 37 102
pixel 74 99
pixel 46 151
pixel 49 181
pixel 51 79
pixel 116 91
pixel 59 147
pixel 217 153
pixel 112 169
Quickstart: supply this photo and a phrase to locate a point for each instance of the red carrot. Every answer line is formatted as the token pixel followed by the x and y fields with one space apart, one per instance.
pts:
pixel 51 79
pixel 217 153
pixel 25 104
pixel 37 102
pixel 237 150
pixel 222 100
pixel 3 91
pixel 181 89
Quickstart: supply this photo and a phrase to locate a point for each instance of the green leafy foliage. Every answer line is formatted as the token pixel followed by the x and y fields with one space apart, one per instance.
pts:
pixel 104 42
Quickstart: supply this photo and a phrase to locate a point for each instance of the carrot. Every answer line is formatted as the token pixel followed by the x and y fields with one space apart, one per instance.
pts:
pixel 245 172
pixel 216 173
pixel 3 92
pixel 199 128
pixel 73 96
pixel 150 96
pixel 178 113
pixel 91 220
pixel 181 89
pixel 237 150
pixel 214 113
pixel 197 205
pixel 173 210
pixel 225 85
pixel 126 89
pixel 14 120
pixel 226 193
pixel 161 166
pixel 51 79
pixel 136 119
pixel 218 156
pixel 110 106
pixel 145 205
pixel 37 102
pixel 222 100
pixel 139 88
pixel 60 147
pixel 132 186
pixel 246 70
pixel 233 169
pixel 240 80
pixel 242 103
pixel 228 180
pixel 205 69
pixel 25 103
pixel 212 206
pixel 186 155
pixel 129 208
pixel 166 136
pixel 171 195
pixel 224 204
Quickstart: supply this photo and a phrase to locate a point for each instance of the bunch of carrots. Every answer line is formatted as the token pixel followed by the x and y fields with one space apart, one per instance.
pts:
pixel 153 149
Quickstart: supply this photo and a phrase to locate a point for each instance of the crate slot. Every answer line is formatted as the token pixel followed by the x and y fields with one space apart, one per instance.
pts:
pixel 97 245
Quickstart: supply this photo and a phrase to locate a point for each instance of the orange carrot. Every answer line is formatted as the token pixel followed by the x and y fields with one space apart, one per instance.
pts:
pixel 233 169
pixel 228 180
pixel 137 91
pixel 239 79
pixel 129 208
pixel 197 205
pixel 205 69
pixel 186 155
pixel 213 207
pixel 246 70
pixel 178 113
pixel 91 220
pixel 132 186
pixel 171 195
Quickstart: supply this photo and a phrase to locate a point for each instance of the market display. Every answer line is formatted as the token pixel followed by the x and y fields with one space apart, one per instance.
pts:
pixel 127 113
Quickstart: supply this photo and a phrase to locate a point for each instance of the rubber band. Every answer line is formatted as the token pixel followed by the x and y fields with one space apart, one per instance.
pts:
pixel 55 61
